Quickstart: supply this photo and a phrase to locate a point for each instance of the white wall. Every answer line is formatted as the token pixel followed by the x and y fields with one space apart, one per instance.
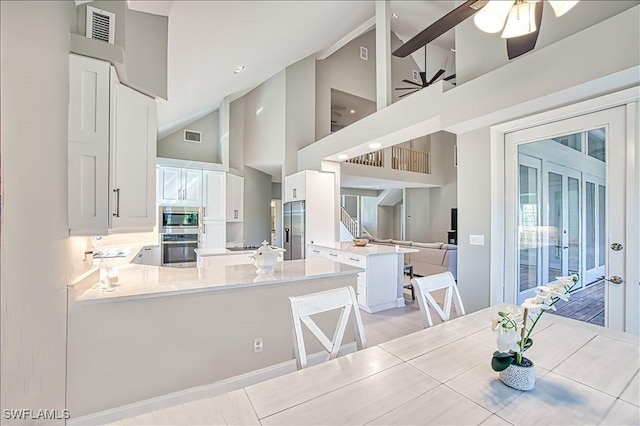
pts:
pixel 478 53
pixel 174 145
pixel 38 258
pixel 236 134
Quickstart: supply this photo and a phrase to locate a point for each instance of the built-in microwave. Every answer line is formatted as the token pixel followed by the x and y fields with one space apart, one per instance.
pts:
pixel 179 220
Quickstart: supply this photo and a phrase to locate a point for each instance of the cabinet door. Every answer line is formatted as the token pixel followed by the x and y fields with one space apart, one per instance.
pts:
pixel 214 195
pixel 235 198
pixel 169 185
pixel 295 187
pixel 191 187
pixel 88 151
pixel 133 154
pixel 214 234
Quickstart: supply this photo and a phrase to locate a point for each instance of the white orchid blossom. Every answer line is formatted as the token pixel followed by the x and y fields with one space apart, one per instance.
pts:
pixel 513 335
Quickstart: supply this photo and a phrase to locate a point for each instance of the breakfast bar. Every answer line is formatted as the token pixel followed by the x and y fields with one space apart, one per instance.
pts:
pixel 163 330
pixel 586 374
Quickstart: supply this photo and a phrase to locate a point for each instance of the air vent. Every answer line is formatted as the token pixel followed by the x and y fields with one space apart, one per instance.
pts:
pixel 415 75
pixel 192 136
pixel 101 24
pixel 364 53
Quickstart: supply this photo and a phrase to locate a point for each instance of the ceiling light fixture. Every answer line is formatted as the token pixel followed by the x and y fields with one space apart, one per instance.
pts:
pixel 516 17
pixel 353 111
pixel 375 145
pixel 343 157
pixel 239 69
pixel 395 15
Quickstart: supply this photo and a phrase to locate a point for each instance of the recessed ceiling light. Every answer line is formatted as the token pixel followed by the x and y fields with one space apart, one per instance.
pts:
pixel 453 50
pixel 239 69
pixel 395 15
pixel 343 157
pixel 353 111
pixel 375 145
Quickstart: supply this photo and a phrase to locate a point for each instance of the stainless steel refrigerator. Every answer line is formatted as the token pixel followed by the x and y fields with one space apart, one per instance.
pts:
pixel 293 225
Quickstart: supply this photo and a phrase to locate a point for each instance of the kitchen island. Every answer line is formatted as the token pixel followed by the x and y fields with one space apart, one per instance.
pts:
pixel 380 285
pixel 165 330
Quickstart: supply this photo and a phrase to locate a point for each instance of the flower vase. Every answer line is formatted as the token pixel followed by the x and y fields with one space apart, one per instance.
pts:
pixel 520 377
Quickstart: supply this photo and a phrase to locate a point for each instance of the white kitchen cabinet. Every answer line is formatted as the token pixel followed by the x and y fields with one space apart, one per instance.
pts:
pixel 133 150
pixel 215 184
pixel 179 187
pixel 111 132
pixel 295 187
pixel 235 198
pixel 213 234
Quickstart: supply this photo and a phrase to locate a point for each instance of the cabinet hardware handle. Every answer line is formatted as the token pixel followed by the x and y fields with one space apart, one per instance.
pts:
pixel 117 213
pixel 204 211
pixel 316 251
pixel 184 194
pixel 355 260
pixel 333 255
pixel 294 193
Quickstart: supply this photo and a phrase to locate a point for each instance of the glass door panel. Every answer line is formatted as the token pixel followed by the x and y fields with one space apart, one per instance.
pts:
pixel 528 219
pixel 555 227
pixel 573 225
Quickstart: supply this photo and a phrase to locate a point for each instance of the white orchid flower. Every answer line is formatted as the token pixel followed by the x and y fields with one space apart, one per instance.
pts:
pixel 549 291
pixel 496 323
pixel 508 341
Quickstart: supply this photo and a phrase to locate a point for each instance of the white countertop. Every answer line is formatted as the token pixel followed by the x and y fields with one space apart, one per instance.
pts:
pixel 220 252
pixel 143 281
pixel 368 250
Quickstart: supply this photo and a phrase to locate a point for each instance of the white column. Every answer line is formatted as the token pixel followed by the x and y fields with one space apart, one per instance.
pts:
pixel 334 166
pixel 383 53
pixel 223 120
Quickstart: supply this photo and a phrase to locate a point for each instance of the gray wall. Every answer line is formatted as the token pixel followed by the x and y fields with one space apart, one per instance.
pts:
pixel 174 145
pixel 300 110
pixel 417 214
pixel 236 134
pixel 34 70
pixel 257 206
pixel 345 71
pixel 351 205
pixel 474 217
pixel 479 53
pixel 443 198
pixel 144 37
pixel 276 191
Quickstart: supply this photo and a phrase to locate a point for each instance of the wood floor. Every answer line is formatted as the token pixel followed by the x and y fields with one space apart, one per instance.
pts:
pixel 585 305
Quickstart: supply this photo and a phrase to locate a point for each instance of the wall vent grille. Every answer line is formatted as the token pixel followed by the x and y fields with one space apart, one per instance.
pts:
pixel 364 53
pixel 100 24
pixel 192 136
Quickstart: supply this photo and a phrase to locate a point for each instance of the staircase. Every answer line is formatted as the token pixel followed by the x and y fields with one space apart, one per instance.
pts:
pixel 352 225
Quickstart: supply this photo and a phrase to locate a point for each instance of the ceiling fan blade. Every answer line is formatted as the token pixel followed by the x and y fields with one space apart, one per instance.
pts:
pixel 517 46
pixel 451 77
pixel 406 88
pixel 336 113
pixel 423 78
pixel 405 94
pixel 435 77
pixel 412 82
pixel 440 27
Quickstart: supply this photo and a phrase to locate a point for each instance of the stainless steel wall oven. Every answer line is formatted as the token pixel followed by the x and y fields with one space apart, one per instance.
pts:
pixel 180 229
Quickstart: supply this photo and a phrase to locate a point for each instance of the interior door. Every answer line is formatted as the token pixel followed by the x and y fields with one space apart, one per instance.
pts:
pixel 609 136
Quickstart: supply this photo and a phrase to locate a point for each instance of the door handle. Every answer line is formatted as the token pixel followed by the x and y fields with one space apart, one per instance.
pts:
pixel 615 280
pixel 117 213
pixel 286 235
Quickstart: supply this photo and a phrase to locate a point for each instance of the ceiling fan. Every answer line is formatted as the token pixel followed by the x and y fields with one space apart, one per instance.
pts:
pixel 521 20
pixel 423 78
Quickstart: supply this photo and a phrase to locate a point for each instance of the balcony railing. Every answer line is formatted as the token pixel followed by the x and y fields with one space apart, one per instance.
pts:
pixel 375 159
pixel 410 160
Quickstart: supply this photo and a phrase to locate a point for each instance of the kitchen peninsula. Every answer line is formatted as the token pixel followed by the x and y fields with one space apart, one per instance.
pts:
pixel 164 330
pixel 380 285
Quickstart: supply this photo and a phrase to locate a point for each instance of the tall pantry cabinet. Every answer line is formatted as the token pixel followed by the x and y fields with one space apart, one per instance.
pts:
pixel 112 150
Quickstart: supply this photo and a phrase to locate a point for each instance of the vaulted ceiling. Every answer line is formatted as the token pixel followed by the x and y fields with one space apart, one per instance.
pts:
pixel 208 40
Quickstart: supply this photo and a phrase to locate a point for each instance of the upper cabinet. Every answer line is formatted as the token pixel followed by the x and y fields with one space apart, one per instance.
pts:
pixel 214 207
pixel 180 187
pixel 295 187
pixel 112 149
pixel 235 198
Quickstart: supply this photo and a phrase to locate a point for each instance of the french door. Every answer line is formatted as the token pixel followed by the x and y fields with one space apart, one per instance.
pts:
pixel 560 219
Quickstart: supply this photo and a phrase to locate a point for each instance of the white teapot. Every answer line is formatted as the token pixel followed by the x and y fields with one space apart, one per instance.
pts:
pixel 265 257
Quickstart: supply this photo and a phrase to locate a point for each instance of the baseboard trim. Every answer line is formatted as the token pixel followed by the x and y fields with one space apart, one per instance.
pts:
pixel 199 392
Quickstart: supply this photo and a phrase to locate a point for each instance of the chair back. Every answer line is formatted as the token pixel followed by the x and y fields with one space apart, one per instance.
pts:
pixel 302 307
pixel 430 283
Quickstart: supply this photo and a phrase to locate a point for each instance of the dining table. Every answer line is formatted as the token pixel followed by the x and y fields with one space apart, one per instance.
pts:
pixel 585 374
